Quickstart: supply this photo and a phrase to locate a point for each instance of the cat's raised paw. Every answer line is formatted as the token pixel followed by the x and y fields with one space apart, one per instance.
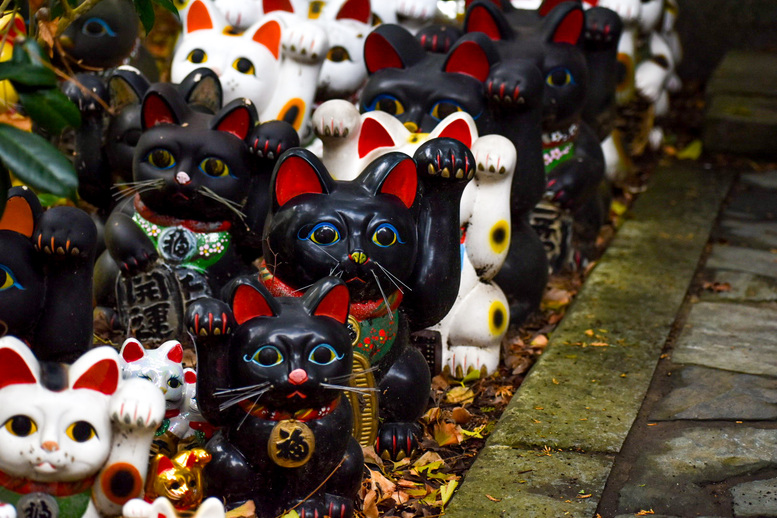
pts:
pixel 445 158
pixel 335 119
pixel 65 232
pixel 209 317
pixel 514 85
pixel 397 440
pixel 7 510
pixel 137 404
pixel 271 139
pixel 305 42
pixel 602 27
pixel 338 506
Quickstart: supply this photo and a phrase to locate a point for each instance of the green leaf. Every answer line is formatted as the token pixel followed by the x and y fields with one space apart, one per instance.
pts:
pixel 471 376
pixel 145 10
pixel 48 200
pixel 27 75
pixel 51 109
pixel 169 5
pixel 37 163
pixel 29 52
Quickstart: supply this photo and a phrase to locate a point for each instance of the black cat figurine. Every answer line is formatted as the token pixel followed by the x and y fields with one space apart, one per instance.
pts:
pixel 392 235
pixel 46 261
pixel 272 374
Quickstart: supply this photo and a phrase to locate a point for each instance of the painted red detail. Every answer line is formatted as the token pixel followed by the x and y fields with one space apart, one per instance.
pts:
pixel 190 377
pixel 335 304
pixel 277 5
pixel 249 303
pixel 458 130
pixel 570 28
pixel 198 17
pixel 373 136
pixel 176 354
pixel 298 376
pixel 156 111
pixel 379 54
pixel 469 59
pixel 103 377
pixel 237 122
pixel 547 6
pixel 132 351
pixel 355 10
pixel 480 20
pixel 165 464
pixel 13 369
pixel 402 182
pixel 296 176
pixel 269 35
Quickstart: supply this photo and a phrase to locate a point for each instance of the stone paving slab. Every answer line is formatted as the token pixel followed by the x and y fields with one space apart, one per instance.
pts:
pixel 730 336
pixel 745 287
pixel 757 498
pixel 756 234
pixel 757 262
pixel 753 204
pixel 761 180
pixel 741 124
pixel 745 73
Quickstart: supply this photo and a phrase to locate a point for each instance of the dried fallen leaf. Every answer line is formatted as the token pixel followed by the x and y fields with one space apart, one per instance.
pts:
pixel 461 415
pixel 446 491
pixel 492 498
pixel 447 434
pixel 430 457
pixel 716 287
pixel 643 512
pixel 459 395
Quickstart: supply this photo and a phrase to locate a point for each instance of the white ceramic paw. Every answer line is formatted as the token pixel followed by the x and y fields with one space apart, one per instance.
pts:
pixel 7 511
pixel 336 119
pixel 649 79
pixel 628 10
pixel 305 42
pixel 136 508
pixel 420 10
pixel 461 359
pixel 494 156
pixel 137 403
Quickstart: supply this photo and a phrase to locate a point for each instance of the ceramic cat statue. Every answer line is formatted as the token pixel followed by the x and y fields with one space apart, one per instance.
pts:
pixel 75 439
pixel 46 260
pixel 163 508
pixel 411 14
pixel 351 141
pixel 272 374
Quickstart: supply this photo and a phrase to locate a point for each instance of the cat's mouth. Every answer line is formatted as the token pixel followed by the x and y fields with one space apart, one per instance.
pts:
pixel 181 196
pixel 45 467
pixel 356 279
pixel 297 393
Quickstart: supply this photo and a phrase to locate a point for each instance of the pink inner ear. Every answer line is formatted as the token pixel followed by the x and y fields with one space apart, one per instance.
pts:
pixel 198 17
pixel 402 182
pixel 190 377
pixel 355 10
pixel 379 54
pixel 103 377
pixel 156 111
pixel 458 130
pixel 277 5
pixel 249 303
pixel 469 58
pixel 335 304
pixel 176 354
pixel 237 122
pixel 165 464
pixel 269 35
pixel 295 176
pixel 13 369
pixel 132 351
pixel 372 136
pixel 570 28
pixel 480 20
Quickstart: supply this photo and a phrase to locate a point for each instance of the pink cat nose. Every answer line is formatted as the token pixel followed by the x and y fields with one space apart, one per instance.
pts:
pixel 298 376
pixel 50 446
pixel 182 178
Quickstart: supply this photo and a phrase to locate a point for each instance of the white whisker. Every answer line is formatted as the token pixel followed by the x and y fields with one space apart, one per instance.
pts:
pixel 383 294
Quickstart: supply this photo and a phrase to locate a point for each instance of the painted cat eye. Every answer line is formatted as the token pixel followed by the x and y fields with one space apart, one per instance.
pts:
pixel 81 431
pixel 266 356
pixel 338 54
pixel 161 159
pixel 174 382
pixel 386 235
pixel 559 76
pixel 97 27
pixel 21 426
pixel 214 167
pixel 324 234
pixel 387 103
pixel 244 66
pixel 7 279
pixel 197 56
pixel 444 108
pixel 324 354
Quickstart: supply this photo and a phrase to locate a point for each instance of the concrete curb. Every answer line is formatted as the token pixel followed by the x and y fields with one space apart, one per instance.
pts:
pixel 552 451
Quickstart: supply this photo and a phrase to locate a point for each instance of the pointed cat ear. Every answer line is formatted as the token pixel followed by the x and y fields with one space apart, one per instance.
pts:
pixel 162 104
pixel 199 17
pixel 359 10
pixel 238 118
pixel 472 55
pixel 373 135
pixel 22 210
pixel 394 173
pixel 269 35
pixel 269 6
pixel 163 464
pixel 565 24
pixel 328 297
pixel 548 5
pixel 173 350
pixel 97 370
pixel 251 299
pixel 459 126
pixel 17 363
pixel 202 87
pixel 298 172
pixel 391 46
pixel 483 16
pixel 132 350
pixel 126 86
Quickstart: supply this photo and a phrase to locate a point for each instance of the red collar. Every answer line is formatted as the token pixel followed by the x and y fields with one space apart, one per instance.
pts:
pixel 304 414
pixel 170 221
pixel 24 486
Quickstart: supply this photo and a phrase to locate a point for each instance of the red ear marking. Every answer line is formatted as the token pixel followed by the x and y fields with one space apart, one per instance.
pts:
pixel 480 20
pixel 379 54
pixel 469 58
pixel 372 136
pixel 335 304
pixel 248 303
pixel 103 377
pixel 269 35
pixel 277 5
pixel 13 369
pixel 165 464
pixel 189 376
pixel 570 28
pixel 296 176
pixel 156 111
pixel 132 351
pixel 198 17
pixel 358 10
pixel 18 216
pixel 237 122
pixel 176 353
pixel 547 6
pixel 458 130
pixel 402 182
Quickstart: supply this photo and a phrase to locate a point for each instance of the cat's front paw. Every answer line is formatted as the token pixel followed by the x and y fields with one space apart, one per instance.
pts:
pixel 305 42
pixel 312 508
pixel 514 85
pixel 420 10
pixel 495 156
pixel 438 37
pixel 650 78
pixel 66 233
pixel 336 119
pixel 209 317
pixel 137 403
pixel 460 360
pixel 88 92
pixel 136 508
pixel 271 139
pixel 7 510
pixel 398 440
pixel 602 28
pixel 445 160
pixel 338 506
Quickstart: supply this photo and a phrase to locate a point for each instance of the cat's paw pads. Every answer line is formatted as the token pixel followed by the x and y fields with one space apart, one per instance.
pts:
pixel 271 139
pixel 445 158
pixel 336 118
pixel 305 42
pixel 137 403
pixel 514 85
pixel 602 27
pixel 438 38
pixel 65 232
pixel 396 441
pixel 421 10
pixel 209 317
pixel 312 508
pixel 88 92
pixel 494 156
pixel 459 361
pixel 7 510
pixel 338 506
pixel 138 260
pixel 136 508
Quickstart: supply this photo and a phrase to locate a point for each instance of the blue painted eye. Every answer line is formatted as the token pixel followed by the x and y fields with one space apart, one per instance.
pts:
pixel 323 234
pixel 214 167
pixel 386 103
pixel 97 27
pixel 266 356
pixel 442 109
pixel 386 235
pixel 324 354
pixel 7 279
pixel 559 76
pixel 161 159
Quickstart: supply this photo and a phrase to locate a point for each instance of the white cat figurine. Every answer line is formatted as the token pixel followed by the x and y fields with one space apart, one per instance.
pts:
pixel 162 508
pixel 76 438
